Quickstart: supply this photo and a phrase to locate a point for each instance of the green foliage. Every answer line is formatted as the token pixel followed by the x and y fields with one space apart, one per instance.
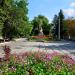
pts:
pixel 55 26
pixel 8 30
pixel 40 39
pixel 32 65
pixel 70 24
pixel 43 21
pixel 16 14
pixel 59 18
pixel 21 20
pixel 1 26
pixel 5 8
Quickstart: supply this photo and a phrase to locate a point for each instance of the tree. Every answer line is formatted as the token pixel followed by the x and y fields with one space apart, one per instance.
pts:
pixel 61 20
pixel 55 26
pixel 40 22
pixel 5 18
pixel 8 30
pixel 22 24
pixel 70 23
pixel 58 20
pixel 13 15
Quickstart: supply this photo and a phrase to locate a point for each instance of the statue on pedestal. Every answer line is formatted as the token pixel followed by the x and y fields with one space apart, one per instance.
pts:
pixel 40 29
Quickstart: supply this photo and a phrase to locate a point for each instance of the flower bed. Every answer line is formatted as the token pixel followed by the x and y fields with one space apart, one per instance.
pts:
pixel 38 63
pixel 40 38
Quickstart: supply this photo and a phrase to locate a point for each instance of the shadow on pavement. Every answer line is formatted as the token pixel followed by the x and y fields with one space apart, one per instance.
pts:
pixel 59 46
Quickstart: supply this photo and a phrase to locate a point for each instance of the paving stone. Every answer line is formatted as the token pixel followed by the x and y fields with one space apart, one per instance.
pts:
pixel 21 46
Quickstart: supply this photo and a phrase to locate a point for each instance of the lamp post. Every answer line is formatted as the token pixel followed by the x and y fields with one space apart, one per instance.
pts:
pixel 59 30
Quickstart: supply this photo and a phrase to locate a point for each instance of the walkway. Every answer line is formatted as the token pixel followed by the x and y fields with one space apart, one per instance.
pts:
pixel 23 46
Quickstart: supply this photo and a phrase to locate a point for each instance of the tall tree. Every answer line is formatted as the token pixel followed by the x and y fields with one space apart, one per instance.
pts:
pixel 40 22
pixel 5 8
pixel 70 22
pixel 55 26
pixel 58 20
pixel 61 21
pixel 20 15
pixel 14 16
pixel 24 28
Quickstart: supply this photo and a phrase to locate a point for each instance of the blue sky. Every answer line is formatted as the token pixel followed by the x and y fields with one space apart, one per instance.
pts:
pixel 49 8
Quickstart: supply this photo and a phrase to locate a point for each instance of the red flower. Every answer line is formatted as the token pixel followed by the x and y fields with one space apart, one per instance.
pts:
pixel 7 52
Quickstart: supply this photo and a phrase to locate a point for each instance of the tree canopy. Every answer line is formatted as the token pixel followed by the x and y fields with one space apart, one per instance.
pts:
pixel 58 19
pixel 43 21
pixel 13 16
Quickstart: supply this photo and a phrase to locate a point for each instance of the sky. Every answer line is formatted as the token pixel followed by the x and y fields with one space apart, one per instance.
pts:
pixel 49 8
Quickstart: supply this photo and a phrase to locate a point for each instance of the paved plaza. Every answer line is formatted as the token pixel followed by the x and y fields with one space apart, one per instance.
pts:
pixel 22 45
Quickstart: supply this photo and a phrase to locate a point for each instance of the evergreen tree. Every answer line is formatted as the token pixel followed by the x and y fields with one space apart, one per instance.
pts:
pixel 58 20
pixel 55 26
pixel 61 20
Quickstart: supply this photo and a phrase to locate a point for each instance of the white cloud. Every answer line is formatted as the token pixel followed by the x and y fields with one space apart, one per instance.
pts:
pixel 72 4
pixel 69 11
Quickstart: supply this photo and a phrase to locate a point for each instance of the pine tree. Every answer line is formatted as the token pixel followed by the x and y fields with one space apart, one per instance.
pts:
pixel 55 26
pixel 58 20
pixel 61 19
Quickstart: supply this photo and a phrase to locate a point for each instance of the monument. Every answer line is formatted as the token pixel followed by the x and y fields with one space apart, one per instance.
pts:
pixel 40 29
pixel 40 32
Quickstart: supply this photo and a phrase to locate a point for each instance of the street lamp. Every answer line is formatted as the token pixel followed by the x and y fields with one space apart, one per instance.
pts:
pixel 59 30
